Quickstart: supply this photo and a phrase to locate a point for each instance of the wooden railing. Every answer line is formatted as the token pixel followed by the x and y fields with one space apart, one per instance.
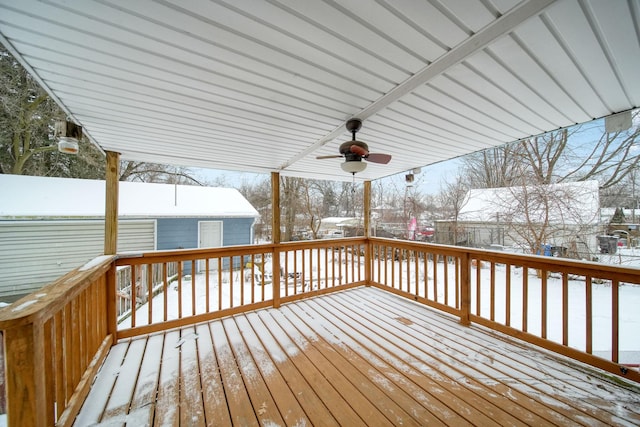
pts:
pixel 210 283
pixel 547 301
pixel 56 338
pixel 55 341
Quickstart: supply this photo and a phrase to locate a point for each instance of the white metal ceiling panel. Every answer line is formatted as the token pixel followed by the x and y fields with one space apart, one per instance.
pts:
pixel 267 85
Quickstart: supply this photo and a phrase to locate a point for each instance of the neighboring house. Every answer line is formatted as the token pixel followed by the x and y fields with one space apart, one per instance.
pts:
pixel 336 227
pixel 49 226
pixel 624 223
pixel 497 217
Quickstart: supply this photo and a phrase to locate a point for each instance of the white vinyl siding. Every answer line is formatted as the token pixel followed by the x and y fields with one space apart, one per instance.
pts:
pixel 35 253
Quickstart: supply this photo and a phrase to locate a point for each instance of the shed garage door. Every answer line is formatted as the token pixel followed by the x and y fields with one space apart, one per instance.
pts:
pixel 34 253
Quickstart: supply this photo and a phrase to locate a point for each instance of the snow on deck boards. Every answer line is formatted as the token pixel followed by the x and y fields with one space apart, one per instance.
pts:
pixel 357 357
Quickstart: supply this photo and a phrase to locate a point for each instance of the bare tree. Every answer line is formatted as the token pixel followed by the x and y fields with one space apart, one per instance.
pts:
pixel 259 195
pixel 609 159
pixel 155 172
pixel 541 215
pixel 313 205
pixel 452 198
pixel 580 153
pixel 492 168
pixel 27 119
pixel 290 202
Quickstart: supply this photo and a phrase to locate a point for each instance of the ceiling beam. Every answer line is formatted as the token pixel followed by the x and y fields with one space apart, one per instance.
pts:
pixel 476 42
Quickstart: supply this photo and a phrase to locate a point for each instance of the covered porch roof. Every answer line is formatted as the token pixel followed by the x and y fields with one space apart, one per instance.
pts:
pixel 266 86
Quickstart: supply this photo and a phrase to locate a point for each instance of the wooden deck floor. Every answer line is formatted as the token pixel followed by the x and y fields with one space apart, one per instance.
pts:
pixel 357 357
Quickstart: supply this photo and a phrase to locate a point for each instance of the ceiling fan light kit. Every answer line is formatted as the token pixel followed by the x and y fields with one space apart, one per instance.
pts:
pixel 353 166
pixel 355 151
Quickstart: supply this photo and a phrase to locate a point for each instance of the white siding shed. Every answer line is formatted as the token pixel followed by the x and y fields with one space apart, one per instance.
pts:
pixel 48 226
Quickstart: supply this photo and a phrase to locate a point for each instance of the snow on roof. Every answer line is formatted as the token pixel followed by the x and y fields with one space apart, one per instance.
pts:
pixel 336 220
pixel 568 203
pixel 34 196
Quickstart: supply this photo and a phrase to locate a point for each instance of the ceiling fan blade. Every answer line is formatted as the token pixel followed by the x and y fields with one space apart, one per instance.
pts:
pixel 360 151
pixel 329 157
pixel 378 158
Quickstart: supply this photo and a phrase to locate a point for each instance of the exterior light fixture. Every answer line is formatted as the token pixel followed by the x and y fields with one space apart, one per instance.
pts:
pixel 353 166
pixel 68 145
pixel 69 135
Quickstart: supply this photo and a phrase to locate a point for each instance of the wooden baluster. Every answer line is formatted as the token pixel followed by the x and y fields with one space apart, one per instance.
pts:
pixel 543 304
pixel 150 292
pixel 508 295
pixel 589 314
pixel 478 286
pixel 242 280
pixel 165 279
pixel 207 283
pixel 565 309
pixel 492 292
pixel 615 296
pixel 318 266
pixel 458 280
pixel 253 277
pixel 179 289
pixel 465 289
pixel 132 292
pixel 525 298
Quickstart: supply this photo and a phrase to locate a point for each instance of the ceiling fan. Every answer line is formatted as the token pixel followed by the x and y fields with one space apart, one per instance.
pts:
pixel 354 151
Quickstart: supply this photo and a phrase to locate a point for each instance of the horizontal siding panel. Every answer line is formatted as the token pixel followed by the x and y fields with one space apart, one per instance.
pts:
pixel 35 253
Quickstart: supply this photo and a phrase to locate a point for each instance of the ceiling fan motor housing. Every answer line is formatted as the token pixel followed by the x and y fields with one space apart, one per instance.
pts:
pixel 345 150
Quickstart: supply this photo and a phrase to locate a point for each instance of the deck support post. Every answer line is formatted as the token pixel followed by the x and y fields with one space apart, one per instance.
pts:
pixel 111 204
pixel 368 259
pixel 275 236
pixel 465 289
pixel 111 235
pixel 26 360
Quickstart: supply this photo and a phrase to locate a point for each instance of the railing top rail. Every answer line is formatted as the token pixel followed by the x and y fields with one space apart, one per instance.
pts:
pixel 43 304
pixel 189 254
pixel 323 243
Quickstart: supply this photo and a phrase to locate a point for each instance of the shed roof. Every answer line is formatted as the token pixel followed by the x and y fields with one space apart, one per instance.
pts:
pixel 567 203
pixel 43 197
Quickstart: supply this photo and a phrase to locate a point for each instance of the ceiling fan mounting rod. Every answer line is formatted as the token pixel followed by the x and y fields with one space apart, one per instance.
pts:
pixel 353 126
